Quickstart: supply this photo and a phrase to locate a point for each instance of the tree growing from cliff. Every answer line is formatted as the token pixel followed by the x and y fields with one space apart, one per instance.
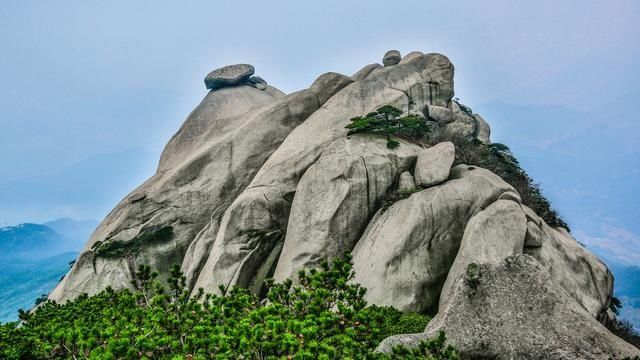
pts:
pixel 388 121
pixel 325 317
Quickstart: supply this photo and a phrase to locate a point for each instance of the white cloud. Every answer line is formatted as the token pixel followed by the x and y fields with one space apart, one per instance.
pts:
pixel 615 242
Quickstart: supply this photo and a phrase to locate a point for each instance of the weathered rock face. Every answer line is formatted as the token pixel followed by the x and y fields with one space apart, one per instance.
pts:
pixel 364 72
pixel 392 57
pixel 491 235
pixel 213 166
pixel 421 232
pixel 406 182
pixel 410 56
pixel 483 131
pixel 190 196
pixel 337 196
pixel 215 111
pixel 265 199
pixel 433 164
pixel 511 309
pixel 570 265
pixel 259 184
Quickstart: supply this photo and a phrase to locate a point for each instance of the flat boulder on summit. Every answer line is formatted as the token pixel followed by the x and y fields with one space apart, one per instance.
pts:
pixel 228 76
pixel 391 57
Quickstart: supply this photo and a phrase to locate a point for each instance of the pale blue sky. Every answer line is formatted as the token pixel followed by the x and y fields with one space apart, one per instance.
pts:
pixel 82 79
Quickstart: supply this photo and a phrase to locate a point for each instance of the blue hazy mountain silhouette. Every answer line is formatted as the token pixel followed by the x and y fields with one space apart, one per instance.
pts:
pixel 33 257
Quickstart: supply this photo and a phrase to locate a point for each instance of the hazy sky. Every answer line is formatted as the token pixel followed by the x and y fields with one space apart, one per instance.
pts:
pixel 86 78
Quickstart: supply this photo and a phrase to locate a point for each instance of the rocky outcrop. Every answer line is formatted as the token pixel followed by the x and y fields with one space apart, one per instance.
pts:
pixel 441 115
pixel 263 206
pixel 410 57
pixel 511 309
pixel 433 164
pixel 259 184
pixel 202 169
pixel 347 182
pixel 229 76
pixel 405 253
pixel 190 196
pixel 406 182
pixel 483 131
pixel 224 257
pixel 491 235
pixel 216 110
pixel 365 71
pixel 571 266
pixel 392 57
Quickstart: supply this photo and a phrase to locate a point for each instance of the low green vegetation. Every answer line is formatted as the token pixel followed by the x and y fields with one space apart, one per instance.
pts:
pixel 499 159
pixel 123 248
pixel 325 317
pixel 388 121
pixel 472 276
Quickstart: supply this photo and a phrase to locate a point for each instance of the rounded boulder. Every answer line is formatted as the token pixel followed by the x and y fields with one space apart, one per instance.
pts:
pixel 228 76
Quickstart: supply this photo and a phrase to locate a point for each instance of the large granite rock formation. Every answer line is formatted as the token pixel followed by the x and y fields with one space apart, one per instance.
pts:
pixel 259 184
pixel 512 309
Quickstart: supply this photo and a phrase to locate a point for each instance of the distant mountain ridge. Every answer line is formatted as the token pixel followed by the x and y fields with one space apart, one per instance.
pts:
pixel 31 241
pixel 37 241
pixel 33 257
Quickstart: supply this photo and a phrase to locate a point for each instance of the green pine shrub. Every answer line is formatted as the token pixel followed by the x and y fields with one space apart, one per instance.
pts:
pixel 114 248
pixel 388 121
pixel 325 317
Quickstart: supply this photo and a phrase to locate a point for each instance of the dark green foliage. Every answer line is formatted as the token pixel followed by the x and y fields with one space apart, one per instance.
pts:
pixel 325 317
pixel 397 322
pixel 465 109
pixel 624 330
pixel 387 121
pixel 498 159
pixel 431 349
pixel 472 276
pixel 122 248
pixel 615 305
pixel 42 298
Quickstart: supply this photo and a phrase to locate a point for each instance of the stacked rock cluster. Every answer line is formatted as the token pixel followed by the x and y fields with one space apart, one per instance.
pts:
pixel 234 75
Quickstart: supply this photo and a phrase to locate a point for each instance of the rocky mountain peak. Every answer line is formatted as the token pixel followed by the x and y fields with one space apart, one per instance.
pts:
pixel 259 184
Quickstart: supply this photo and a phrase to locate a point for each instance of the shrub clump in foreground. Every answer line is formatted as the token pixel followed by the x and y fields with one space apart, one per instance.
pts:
pixel 325 317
